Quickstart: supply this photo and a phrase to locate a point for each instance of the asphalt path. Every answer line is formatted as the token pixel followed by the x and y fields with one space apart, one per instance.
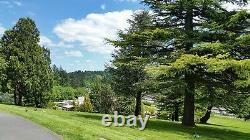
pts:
pixel 16 128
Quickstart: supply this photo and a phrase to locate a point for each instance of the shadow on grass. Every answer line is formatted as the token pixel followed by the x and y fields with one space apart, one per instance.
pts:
pixel 205 131
pixel 218 125
pixel 89 116
pixel 202 131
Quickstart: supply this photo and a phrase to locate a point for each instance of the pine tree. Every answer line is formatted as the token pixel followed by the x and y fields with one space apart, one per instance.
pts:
pixel 203 39
pixel 129 73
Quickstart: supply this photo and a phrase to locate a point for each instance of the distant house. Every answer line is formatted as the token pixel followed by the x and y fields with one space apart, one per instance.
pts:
pixel 221 111
pixel 149 99
pixel 80 100
pixel 69 104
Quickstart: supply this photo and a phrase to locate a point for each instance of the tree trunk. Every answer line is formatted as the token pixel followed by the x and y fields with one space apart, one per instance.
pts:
pixel 36 101
pixel 172 117
pixel 176 112
pixel 138 104
pixel 15 94
pixel 15 98
pixel 36 104
pixel 20 99
pixel 211 98
pixel 206 117
pixel 188 116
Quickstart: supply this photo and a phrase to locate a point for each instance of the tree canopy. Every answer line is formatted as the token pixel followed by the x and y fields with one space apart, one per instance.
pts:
pixel 28 74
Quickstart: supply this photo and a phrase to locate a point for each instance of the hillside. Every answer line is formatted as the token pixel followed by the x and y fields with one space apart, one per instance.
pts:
pixel 79 126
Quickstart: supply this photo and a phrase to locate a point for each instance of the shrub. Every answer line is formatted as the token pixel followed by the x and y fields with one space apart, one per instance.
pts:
pixel 52 105
pixel 6 98
pixel 86 106
pixel 164 115
pixel 102 96
pixel 150 110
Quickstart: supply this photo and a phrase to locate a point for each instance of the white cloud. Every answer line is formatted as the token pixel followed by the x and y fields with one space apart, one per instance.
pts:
pixel 103 6
pixel 92 30
pixel 2 29
pixel 231 7
pixel 73 53
pixel 10 4
pixel 18 3
pixel 46 42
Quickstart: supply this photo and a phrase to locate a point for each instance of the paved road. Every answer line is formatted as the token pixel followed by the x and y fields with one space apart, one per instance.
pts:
pixel 16 128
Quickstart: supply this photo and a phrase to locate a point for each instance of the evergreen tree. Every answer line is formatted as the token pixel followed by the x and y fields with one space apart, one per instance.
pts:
pixel 61 77
pixel 3 65
pixel 203 39
pixel 128 73
pixel 28 74
pixel 101 95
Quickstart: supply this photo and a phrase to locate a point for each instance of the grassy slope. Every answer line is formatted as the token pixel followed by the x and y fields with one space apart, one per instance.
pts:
pixel 81 126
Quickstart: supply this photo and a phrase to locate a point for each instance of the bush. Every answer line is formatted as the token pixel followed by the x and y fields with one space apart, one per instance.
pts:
pixel 6 98
pixel 150 110
pixel 199 112
pixel 164 115
pixel 86 106
pixel 52 105
pixel 247 117
pixel 102 96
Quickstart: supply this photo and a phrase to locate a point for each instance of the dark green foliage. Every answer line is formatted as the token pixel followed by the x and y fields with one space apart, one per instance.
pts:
pixel 4 97
pixel 128 73
pixel 203 44
pixel 60 93
pixel 52 105
pixel 74 79
pixel 241 107
pixel 124 104
pixel 60 76
pixel 170 97
pixel 83 78
pixel 28 75
pixel 87 106
pixel 101 95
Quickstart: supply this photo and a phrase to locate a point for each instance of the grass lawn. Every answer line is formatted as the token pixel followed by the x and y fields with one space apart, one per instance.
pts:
pixel 87 126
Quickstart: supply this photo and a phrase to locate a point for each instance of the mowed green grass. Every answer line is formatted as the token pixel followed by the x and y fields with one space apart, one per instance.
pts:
pixel 87 126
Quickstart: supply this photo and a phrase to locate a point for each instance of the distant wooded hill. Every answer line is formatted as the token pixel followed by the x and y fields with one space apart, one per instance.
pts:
pixel 75 79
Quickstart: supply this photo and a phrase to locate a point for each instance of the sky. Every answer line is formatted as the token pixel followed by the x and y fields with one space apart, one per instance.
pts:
pixel 73 30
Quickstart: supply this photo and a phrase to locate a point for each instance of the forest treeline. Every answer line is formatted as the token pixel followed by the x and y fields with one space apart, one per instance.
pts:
pixel 188 55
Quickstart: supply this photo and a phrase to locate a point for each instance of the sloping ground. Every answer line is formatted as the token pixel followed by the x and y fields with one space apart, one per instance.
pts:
pixel 16 128
pixel 81 126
